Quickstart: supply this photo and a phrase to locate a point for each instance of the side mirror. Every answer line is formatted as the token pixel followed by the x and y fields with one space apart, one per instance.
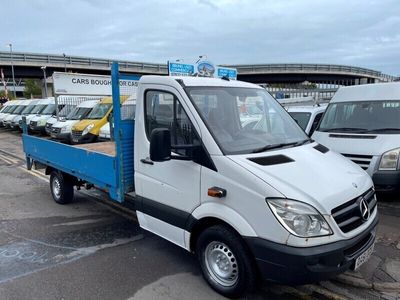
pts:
pixel 160 145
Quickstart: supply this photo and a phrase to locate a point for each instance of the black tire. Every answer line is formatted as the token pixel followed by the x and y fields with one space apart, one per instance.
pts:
pixel 61 190
pixel 221 241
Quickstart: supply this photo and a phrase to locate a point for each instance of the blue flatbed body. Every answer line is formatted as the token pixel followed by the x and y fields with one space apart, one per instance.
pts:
pixel 94 167
pixel 113 173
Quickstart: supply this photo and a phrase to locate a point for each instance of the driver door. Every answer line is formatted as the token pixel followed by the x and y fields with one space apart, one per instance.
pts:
pixel 169 190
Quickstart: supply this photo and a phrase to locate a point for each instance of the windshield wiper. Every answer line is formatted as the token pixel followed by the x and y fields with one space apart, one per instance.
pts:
pixel 383 129
pixel 350 129
pixel 280 145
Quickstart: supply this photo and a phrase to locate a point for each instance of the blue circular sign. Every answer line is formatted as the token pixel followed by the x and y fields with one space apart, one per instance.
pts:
pixel 206 68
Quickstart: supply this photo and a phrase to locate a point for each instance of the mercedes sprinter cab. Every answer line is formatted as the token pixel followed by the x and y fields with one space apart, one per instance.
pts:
pixel 12 107
pixel 247 201
pixel 17 122
pixel 127 113
pixel 62 129
pixel 9 120
pixel 363 123
pixel 88 129
pixel 38 123
pixel 5 109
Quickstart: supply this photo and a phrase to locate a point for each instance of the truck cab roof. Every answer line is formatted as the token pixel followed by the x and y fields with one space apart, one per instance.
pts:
pixel 368 92
pixel 196 81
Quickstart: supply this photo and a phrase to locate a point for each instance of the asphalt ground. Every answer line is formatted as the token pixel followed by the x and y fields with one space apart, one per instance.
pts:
pixel 94 249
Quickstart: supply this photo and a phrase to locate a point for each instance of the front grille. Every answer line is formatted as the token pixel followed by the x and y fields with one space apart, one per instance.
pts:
pixel 362 160
pixel 76 135
pixel 348 215
pixel 55 130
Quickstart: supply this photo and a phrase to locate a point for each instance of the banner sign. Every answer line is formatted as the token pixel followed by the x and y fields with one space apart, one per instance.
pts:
pixel 87 84
pixel 177 69
pixel 201 68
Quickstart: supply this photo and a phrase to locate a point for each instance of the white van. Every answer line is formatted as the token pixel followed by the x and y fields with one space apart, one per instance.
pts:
pixel 307 116
pixel 8 108
pixel 37 123
pixel 17 121
pixel 9 120
pixel 61 130
pixel 128 109
pixel 66 105
pixel 363 123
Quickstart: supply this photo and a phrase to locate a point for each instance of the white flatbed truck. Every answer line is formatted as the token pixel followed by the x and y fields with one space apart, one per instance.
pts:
pixel 250 204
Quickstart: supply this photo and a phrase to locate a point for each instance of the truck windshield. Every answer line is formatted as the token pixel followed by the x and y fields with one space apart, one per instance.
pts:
pixel 38 108
pixel 245 120
pixel 99 111
pixel 49 110
pixel 78 113
pixel 301 118
pixel 362 117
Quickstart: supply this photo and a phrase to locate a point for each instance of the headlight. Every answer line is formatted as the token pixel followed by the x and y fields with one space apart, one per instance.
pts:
pixel 87 129
pixel 298 218
pixel 390 160
pixel 41 122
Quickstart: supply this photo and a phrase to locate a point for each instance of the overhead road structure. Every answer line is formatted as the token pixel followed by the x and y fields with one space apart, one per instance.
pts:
pixel 30 65
pixel 315 73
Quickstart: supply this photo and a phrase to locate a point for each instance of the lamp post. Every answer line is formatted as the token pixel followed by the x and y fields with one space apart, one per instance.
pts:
pixel 44 78
pixel 12 69
pixel 65 64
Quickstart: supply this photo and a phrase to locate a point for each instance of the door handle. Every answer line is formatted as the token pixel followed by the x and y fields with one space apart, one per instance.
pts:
pixel 147 161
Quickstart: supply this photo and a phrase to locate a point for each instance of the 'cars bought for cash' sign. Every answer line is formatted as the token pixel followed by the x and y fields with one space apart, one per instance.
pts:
pixel 86 84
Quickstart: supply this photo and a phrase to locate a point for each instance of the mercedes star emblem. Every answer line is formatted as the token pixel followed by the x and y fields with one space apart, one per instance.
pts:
pixel 364 209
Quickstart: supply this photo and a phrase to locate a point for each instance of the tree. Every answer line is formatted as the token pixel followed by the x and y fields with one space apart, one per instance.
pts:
pixel 32 88
pixel 3 95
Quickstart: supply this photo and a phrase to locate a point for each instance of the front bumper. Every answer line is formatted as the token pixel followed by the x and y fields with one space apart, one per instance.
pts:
pixel 33 127
pixel 387 181
pixel 64 137
pixel 83 139
pixel 294 265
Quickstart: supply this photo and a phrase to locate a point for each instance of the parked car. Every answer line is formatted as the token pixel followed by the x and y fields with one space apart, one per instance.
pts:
pixel 9 105
pixel 363 123
pixel 307 117
pixel 127 112
pixel 61 130
pixel 39 106
pixel 11 108
pixel 66 104
pixel 9 121
pixel 17 121
pixel 38 123
pixel 88 129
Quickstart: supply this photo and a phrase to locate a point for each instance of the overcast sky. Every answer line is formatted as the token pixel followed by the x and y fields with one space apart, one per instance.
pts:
pixel 360 33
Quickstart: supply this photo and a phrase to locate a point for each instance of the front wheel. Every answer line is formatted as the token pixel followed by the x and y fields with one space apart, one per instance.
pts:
pixel 225 261
pixel 61 190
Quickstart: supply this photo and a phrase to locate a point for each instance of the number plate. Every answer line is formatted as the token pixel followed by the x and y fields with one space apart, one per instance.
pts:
pixel 75 140
pixel 363 257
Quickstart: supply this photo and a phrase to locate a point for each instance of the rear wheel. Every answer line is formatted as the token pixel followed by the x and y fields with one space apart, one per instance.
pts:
pixel 225 261
pixel 61 190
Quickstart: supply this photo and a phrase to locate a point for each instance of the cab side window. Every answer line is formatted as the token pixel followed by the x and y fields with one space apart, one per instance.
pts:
pixel 163 110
